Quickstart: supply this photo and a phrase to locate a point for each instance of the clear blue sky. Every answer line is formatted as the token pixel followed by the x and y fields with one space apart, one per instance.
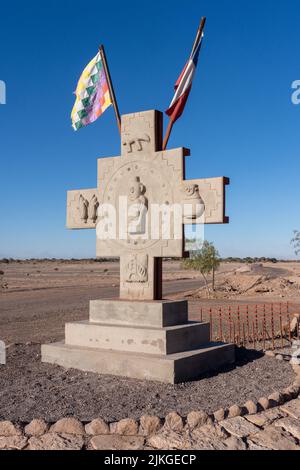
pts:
pixel 239 120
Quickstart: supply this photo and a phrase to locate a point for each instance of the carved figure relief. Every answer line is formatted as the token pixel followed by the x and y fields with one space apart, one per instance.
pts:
pixel 194 203
pixel 136 142
pixel 88 209
pixel 93 208
pixel 136 270
pixel 83 208
pixel 137 207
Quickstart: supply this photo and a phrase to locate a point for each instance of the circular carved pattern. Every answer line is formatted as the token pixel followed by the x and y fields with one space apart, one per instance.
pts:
pixel 152 177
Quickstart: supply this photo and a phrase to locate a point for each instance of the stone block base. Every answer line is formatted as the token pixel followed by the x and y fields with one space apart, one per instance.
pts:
pixel 170 368
pixel 143 340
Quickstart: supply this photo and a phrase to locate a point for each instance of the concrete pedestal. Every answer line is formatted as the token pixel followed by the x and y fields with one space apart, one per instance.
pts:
pixel 145 340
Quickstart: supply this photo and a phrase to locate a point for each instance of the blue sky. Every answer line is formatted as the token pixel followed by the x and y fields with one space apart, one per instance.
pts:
pixel 239 120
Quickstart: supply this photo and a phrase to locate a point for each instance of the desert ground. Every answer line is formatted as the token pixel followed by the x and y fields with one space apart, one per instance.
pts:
pixel 38 297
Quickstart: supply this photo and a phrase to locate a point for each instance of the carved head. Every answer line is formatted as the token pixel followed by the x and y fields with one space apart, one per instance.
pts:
pixel 191 191
pixel 136 188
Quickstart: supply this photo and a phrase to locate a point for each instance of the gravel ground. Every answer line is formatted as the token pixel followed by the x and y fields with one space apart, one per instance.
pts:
pixel 30 389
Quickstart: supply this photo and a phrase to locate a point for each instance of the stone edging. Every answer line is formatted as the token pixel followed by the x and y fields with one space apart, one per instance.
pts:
pixel 128 433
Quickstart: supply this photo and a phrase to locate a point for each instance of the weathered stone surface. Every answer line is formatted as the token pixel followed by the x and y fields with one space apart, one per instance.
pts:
pixel 116 442
pixel 37 427
pixel 275 398
pixel 174 422
pixel 270 353
pixel 197 418
pixel 7 428
pixel 96 427
pixel 235 443
pixel 68 426
pixel 15 442
pixel 149 425
pixel 265 417
pixel 251 407
pixel 292 408
pixel 210 430
pixel 252 446
pixel 219 415
pixel 209 437
pixel 168 439
pixel 279 357
pixel 125 427
pixel 234 411
pixel 54 441
pixel 264 403
pixel 291 392
pixel 239 426
pixel 291 425
pixel 274 439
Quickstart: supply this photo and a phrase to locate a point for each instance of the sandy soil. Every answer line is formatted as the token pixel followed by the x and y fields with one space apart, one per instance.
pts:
pixel 30 389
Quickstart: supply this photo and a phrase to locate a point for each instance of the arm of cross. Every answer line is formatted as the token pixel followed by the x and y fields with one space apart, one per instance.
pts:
pixel 208 192
pixel 82 206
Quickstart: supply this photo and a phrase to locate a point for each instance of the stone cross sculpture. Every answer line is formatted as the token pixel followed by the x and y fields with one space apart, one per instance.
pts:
pixel 156 177
pixel 139 209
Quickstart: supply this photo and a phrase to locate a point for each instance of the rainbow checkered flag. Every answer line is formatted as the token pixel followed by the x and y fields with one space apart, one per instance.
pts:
pixel 92 94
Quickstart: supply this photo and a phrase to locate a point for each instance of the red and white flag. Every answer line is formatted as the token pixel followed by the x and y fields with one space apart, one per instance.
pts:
pixel 184 84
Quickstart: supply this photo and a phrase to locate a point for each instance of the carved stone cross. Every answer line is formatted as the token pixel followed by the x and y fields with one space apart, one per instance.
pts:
pixel 145 176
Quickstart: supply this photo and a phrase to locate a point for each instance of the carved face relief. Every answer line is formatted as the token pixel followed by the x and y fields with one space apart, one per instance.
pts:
pixel 136 189
pixel 193 202
pixel 191 191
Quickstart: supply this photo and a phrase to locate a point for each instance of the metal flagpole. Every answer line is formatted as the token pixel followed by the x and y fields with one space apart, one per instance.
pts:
pixel 196 42
pixel 110 86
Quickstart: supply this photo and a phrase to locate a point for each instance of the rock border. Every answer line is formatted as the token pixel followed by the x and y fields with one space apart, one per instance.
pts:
pixel 149 432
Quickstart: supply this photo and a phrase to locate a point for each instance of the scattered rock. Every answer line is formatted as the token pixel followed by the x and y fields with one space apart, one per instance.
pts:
pixel 275 399
pixel 174 422
pixel 53 441
pixel 244 269
pixel 290 392
pixel 235 443
pixel 292 408
pixel 239 427
pixel 96 427
pixel 279 357
pixel 234 411
pixel 125 427
pixel 168 439
pixel 149 425
pixel 7 428
pixel 294 324
pixel 274 439
pixel 269 353
pixel 13 442
pixel 116 442
pixel 264 403
pixel 68 426
pixel 219 415
pixel 37 427
pixel 251 407
pixel 291 425
pixel 197 418
pixel 266 417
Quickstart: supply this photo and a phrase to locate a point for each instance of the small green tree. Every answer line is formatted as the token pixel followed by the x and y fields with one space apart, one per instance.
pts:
pixel 295 241
pixel 206 260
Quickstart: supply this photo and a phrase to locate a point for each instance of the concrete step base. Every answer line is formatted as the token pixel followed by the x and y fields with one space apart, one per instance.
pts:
pixel 149 340
pixel 157 313
pixel 171 368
